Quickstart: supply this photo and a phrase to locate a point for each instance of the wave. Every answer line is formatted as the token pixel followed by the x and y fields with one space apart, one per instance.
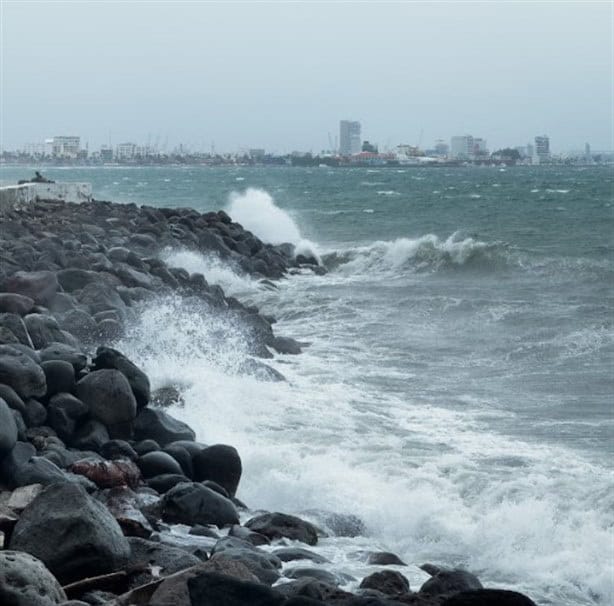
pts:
pixel 426 253
pixel 256 210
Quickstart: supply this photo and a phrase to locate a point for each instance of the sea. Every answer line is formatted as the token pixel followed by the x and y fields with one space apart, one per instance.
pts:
pixel 456 392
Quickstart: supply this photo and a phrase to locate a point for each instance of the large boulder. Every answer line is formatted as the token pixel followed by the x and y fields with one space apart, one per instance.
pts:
pixel 445 582
pixel 488 597
pixel 219 463
pixel 74 278
pixel 73 534
pixel 66 353
pixel 15 304
pixel 212 589
pixel 15 324
pixel 43 330
pixel 160 426
pixel 19 371
pixel 25 581
pixel 8 429
pixel 192 503
pixel 64 411
pixel 169 559
pixel 40 286
pixel 280 525
pixel 389 582
pixel 158 463
pixel 108 395
pixel 106 357
pixel 59 375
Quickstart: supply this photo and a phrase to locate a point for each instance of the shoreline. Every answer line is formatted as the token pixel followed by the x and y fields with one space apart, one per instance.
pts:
pixel 88 452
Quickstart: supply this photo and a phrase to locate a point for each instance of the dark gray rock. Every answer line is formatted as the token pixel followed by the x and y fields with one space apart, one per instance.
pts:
pixel 79 323
pixel 389 582
pixel 114 449
pixel 182 456
pixel 108 358
pixel 65 352
pixel 221 464
pixel 384 558
pixel 64 411
pixel 257 562
pixel 20 372
pixel 255 538
pixel 73 534
pixel 161 427
pixel 13 401
pixel 40 286
pixel 157 463
pixel 59 376
pixel 109 396
pixel 318 574
pixel 146 446
pixel 169 559
pixel 212 589
pixel 92 435
pixel 289 554
pixel 285 345
pixel 16 326
pixel 450 581
pixel 43 330
pixel 163 483
pixel 488 597
pixel 8 429
pixel 192 503
pixel 75 279
pixel 36 413
pixel 280 525
pixel 26 581
pixel 14 303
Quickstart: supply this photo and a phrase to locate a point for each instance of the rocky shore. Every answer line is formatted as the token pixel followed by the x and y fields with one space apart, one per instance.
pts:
pixel 107 499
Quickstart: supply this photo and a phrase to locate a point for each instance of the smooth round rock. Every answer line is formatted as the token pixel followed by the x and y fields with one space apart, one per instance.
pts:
pixel 60 376
pixel 221 464
pixel 20 372
pixel 8 428
pixel 157 463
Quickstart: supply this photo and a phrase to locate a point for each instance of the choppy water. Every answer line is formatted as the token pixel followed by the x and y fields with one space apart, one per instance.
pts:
pixel 457 395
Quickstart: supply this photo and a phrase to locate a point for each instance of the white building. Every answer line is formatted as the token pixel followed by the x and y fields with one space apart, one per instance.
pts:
pixel 65 147
pixel 542 148
pixel 461 147
pixel 349 138
pixel 125 151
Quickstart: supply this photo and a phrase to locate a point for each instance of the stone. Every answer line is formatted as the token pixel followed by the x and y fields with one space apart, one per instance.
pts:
pixel 157 463
pixel 280 525
pixel 108 474
pixel 213 589
pixel 14 303
pixel 108 358
pixel 26 581
pixel 221 464
pixel 115 449
pixel 21 497
pixel 384 558
pixel 319 574
pixel 182 456
pixel 260 564
pixel 255 538
pixel 65 352
pixel 43 330
pixel 160 426
pixel 20 372
pixel 163 483
pixel 40 286
pixel 389 582
pixel 8 429
pixel 169 559
pixel 36 413
pixel 108 395
pixel 92 435
pixel 124 505
pixel 450 581
pixel 13 401
pixel 192 503
pixel 16 326
pixel 59 376
pixel 146 446
pixel 75 279
pixel 488 597
pixel 285 345
pixel 64 411
pixel 72 533
pixel 289 554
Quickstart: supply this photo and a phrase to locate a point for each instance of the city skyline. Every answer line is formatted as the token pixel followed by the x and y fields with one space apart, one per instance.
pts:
pixel 273 75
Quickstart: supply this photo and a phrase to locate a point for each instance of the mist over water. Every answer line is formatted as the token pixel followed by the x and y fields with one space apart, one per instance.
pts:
pixel 457 392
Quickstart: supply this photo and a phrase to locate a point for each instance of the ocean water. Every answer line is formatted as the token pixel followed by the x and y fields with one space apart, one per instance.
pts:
pixel 457 392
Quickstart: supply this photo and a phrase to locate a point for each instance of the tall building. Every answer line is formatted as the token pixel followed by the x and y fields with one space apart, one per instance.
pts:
pixel 542 148
pixel 65 147
pixel 462 147
pixel 349 138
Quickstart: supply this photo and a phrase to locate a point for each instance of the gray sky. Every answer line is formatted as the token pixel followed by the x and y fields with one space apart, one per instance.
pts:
pixel 282 75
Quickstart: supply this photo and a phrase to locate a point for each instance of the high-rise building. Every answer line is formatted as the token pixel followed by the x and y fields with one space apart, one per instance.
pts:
pixel 349 138
pixel 542 148
pixel 462 147
pixel 65 147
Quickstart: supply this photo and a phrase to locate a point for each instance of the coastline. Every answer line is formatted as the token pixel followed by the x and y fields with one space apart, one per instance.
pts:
pixel 83 421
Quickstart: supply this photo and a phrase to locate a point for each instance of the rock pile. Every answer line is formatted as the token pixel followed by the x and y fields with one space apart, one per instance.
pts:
pixel 95 478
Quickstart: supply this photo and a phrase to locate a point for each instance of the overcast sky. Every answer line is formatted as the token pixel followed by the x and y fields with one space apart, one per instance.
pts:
pixel 282 75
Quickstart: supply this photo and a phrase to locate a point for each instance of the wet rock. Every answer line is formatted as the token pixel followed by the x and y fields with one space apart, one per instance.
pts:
pixel 109 396
pixel 13 401
pixel 163 483
pixel 258 563
pixel 255 538
pixel 389 582
pixel 182 456
pixel 124 504
pixel 289 554
pixel 488 597
pixel 64 411
pixel 158 463
pixel 43 330
pixel 167 396
pixel 169 559
pixel 17 328
pixel 384 558
pixel 8 429
pixel 40 286
pixel 59 376
pixel 192 503
pixel 108 358
pixel 212 589
pixel 79 323
pixel 319 574
pixel 7 337
pixel 26 581
pixel 108 474
pixel 285 345
pixel 221 464
pixel 73 534
pixel 161 427
pixel 317 590
pixel 280 525
pixel 36 413
pixel 204 531
pixel 15 303
pixel 75 279
pixel 115 449
pixel 20 372
pixel 450 581
pixel 92 435
pixel 145 446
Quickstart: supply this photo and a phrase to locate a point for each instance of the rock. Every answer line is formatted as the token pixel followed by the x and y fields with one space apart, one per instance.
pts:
pixel 158 463
pixel 73 534
pixel 389 582
pixel 219 463
pixel 108 474
pixel 123 504
pixel 450 581
pixel 7 337
pixel 64 411
pixel 16 326
pixel 92 435
pixel 13 401
pixel 191 503
pixel 59 375
pixel 318 574
pixel 107 358
pixel 8 429
pixel 289 554
pixel 258 563
pixel 384 558
pixel 18 456
pixel 488 597
pixel 75 279
pixel 66 353
pixel 43 330
pixel 160 426
pixel 212 589
pixel 25 581
pixel 169 559
pixel 163 483
pixel 255 538
pixel 36 413
pixel 203 531
pixel 146 446
pixel 79 323
pixel 13 303
pixel 285 345
pixel 40 470
pixel 108 395
pixel 167 396
pixel 40 286
pixel 317 590
pixel 115 449
pixel 21 373
pixel 279 525
pixel 21 497
pixel 183 457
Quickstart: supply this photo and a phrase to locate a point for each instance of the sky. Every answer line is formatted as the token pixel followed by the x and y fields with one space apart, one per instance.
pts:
pixel 280 75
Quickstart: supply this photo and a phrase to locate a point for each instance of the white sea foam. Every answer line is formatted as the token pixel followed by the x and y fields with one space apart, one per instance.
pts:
pixel 256 210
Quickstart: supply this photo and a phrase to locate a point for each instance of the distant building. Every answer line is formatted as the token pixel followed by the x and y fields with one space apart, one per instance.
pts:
pixel 369 147
pixel 408 150
pixel 257 154
pixel 65 147
pixel 349 138
pixel 479 147
pixel 462 147
pixel 542 148
pixel 442 149
pixel 587 152
pixel 126 151
pixel 106 153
